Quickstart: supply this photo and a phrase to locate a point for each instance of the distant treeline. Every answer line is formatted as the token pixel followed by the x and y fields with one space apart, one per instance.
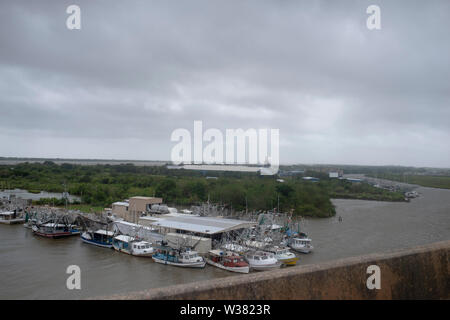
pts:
pixel 101 185
pixel 442 182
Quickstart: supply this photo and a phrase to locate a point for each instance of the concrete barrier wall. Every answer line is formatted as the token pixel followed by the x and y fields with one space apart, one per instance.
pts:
pixel 416 273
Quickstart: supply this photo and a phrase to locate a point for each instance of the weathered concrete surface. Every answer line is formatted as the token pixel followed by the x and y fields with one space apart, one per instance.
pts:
pixel 416 273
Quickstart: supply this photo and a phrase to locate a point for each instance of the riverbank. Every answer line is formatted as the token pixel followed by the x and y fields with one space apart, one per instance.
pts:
pixel 441 182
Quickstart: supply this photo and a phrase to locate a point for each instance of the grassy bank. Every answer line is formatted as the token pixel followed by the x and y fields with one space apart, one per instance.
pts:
pixel 442 182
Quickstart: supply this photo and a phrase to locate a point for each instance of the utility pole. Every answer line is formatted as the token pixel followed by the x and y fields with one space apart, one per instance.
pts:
pixel 278 206
pixel 246 207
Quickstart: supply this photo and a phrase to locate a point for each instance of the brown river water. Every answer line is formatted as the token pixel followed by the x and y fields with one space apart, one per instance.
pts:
pixel 32 267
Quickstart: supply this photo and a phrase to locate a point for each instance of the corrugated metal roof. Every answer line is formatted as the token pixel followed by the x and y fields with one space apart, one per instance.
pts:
pixel 146 198
pixel 207 225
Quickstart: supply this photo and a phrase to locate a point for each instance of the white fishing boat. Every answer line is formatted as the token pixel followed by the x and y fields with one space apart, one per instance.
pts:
pixel 227 261
pixel 261 260
pixel 132 246
pixel 302 245
pixel 283 255
pixel 10 217
pixel 100 238
pixel 169 256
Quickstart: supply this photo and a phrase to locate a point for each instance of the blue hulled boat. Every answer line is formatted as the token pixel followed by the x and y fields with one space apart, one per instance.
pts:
pixel 100 238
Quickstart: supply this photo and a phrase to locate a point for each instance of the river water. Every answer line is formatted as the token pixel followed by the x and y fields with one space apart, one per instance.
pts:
pixel 35 268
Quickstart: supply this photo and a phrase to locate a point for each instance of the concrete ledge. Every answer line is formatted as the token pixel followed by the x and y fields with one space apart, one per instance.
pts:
pixel 416 273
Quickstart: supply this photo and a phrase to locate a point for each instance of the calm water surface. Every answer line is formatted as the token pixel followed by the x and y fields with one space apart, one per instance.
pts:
pixel 35 268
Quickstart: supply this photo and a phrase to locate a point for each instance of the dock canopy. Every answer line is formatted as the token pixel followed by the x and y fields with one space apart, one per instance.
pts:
pixel 200 225
pixel 124 238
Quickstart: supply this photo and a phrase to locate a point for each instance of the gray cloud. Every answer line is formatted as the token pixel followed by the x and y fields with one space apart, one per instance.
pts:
pixel 137 70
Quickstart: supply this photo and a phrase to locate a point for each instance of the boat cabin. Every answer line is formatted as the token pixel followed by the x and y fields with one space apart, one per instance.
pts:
pixel 301 241
pixel 102 235
pixel 260 256
pixel 141 245
pixel 122 242
pixel 55 227
pixel 9 215
pixel 278 250
pixel 189 256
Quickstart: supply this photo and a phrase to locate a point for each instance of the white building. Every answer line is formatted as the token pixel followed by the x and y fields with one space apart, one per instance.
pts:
pixel 333 174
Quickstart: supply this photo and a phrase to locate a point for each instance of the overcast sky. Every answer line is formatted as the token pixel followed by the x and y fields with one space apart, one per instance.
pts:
pixel 137 70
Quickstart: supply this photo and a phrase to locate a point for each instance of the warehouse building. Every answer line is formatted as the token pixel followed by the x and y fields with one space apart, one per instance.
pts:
pixel 201 231
pixel 130 210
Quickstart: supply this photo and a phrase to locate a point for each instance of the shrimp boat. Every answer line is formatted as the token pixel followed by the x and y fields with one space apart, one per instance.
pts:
pixel 235 248
pixel 10 217
pixel 283 255
pixel 132 246
pixel 101 238
pixel 228 261
pixel 55 230
pixel 302 245
pixel 179 258
pixel 261 260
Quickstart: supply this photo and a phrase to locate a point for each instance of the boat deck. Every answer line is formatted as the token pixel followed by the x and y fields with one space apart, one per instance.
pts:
pixel 12 221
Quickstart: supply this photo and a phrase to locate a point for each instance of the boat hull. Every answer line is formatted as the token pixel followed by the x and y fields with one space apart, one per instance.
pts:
pixel 289 261
pixel 183 265
pixel 232 269
pixel 265 267
pixel 56 235
pixel 302 250
pixel 144 255
pixel 96 243
pixel 12 221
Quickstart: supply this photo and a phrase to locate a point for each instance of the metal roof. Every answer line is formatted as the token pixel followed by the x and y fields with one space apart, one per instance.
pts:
pixel 104 232
pixel 146 198
pixel 206 225
pixel 124 238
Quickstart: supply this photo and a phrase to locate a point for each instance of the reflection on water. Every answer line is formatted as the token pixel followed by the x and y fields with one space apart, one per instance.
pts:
pixel 34 267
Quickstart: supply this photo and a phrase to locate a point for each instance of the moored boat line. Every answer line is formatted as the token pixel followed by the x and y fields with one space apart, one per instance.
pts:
pixel 253 248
